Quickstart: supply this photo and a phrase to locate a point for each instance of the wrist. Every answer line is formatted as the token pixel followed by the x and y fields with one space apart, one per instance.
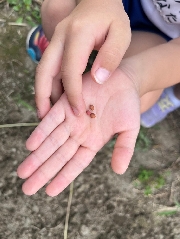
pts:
pixel 129 69
pixel 155 68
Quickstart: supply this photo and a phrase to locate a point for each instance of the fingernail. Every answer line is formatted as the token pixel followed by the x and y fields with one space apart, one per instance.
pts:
pixel 76 111
pixel 101 75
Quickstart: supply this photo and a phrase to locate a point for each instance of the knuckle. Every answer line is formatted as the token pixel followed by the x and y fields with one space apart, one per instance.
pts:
pixel 40 132
pixel 36 157
pixel 79 164
pixel 112 57
pixel 54 142
pixel 66 179
pixel 53 117
pixel 65 74
pixel 75 141
pixel 61 158
pixel 43 173
pixel 66 129
pixel 75 26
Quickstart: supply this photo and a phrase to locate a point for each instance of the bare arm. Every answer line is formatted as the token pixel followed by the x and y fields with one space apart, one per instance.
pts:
pixel 93 24
pixel 155 68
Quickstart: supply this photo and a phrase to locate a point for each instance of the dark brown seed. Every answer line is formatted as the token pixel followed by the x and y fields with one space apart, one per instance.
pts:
pixel 91 107
pixel 92 115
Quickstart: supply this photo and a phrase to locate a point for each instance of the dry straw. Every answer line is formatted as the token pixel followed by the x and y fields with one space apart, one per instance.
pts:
pixel 68 211
pixel 71 185
pixel 18 125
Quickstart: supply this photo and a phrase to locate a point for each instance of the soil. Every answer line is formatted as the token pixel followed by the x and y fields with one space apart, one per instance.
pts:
pixel 105 205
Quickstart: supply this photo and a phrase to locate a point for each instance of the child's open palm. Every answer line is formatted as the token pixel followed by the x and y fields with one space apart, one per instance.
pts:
pixel 63 145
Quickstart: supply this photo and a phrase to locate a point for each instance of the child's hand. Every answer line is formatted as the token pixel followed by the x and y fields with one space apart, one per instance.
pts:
pixel 94 24
pixel 63 145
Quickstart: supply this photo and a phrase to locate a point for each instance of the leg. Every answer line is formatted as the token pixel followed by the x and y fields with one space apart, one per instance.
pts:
pixel 138 45
pixel 149 99
pixel 54 11
pixel 177 91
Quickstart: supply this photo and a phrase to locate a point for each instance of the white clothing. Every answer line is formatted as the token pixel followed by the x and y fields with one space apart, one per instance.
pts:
pixel 164 14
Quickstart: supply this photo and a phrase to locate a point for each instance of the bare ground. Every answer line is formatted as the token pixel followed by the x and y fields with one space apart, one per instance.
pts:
pixel 105 205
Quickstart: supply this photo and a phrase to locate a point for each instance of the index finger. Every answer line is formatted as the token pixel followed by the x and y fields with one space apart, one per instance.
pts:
pixel 78 48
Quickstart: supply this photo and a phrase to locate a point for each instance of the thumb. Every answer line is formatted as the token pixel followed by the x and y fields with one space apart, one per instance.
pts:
pixel 111 53
pixel 123 150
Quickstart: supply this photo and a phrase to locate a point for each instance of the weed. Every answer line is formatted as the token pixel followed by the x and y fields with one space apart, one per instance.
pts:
pixel 149 181
pixel 177 204
pixel 143 142
pixel 23 103
pixel 148 190
pixel 144 175
pixel 27 11
pixel 160 182
pixel 167 213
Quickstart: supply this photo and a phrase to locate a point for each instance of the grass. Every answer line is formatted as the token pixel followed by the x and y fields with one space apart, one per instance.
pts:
pixel 143 141
pixel 21 102
pixel 144 175
pixel 27 11
pixel 149 181
pixel 71 185
pixel 167 213
pixel 170 211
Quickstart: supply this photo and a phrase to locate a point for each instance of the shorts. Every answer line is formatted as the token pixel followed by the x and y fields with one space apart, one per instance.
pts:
pixel 138 19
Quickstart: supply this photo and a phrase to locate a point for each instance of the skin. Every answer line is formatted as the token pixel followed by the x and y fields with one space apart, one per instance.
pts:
pixel 73 142
pixel 72 42
pixel 117 105
pixel 117 101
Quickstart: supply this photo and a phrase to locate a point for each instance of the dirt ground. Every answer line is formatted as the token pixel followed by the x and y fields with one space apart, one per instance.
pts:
pixel 104 205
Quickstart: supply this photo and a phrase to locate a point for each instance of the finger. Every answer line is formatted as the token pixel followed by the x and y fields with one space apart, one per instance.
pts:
pixel 51 167
pixel 57 90
pixel 55 117
pixel 56 139
pixel 111 53
pixel 47 70
pixel 123 151
pixel 78 47
pixel 73 168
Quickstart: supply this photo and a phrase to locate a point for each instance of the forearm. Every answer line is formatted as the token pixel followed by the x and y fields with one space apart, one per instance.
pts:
pixel 78 1
pixel 155 68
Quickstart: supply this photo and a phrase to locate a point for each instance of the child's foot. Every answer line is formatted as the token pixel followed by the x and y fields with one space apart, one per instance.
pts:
pixel 167 103
pixel 36 43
